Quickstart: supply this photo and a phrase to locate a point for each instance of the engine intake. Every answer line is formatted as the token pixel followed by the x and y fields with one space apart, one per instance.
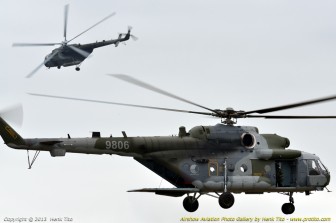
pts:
pixel 248 140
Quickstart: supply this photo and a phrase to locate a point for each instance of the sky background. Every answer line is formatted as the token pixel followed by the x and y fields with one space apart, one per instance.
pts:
pixel 242 54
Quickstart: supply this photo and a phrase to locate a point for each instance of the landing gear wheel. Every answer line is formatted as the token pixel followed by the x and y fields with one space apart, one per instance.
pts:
pixel 77 68
pixel 226 200
pixel 59 67
pixel 288 208
pixel 190 204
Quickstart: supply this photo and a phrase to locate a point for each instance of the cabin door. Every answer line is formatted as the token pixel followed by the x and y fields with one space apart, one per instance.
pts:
pixel 286 173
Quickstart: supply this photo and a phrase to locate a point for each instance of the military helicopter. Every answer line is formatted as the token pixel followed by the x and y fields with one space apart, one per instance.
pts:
pixel 74 54
pixel 214 160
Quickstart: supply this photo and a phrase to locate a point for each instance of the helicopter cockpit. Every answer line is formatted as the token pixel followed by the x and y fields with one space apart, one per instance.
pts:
pixel 317 174
pixel 47 58
pixel 316 167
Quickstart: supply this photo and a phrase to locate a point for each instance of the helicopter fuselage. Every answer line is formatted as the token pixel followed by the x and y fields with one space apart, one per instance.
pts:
pixel 252 162
pixel 221 159
pixel 66 56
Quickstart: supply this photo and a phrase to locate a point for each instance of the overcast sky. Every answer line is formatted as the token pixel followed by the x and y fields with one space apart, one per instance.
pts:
pixel 241 54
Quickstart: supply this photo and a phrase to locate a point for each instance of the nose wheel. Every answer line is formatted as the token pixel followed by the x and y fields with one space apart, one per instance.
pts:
pixel 289 208
pixel 77 67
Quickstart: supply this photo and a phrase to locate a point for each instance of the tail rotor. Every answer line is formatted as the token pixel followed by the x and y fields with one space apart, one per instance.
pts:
pixel 128 34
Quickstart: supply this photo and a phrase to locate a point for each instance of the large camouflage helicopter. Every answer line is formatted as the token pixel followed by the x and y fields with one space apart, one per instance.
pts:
pixel 74 54
pixel 214 160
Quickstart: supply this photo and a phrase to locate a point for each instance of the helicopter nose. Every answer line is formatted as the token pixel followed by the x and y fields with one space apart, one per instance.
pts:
pixel 327 175
pixel 46 59
pixel 46 62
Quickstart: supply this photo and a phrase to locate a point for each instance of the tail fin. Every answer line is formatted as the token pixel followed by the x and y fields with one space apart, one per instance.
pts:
pixel 9 135
pixel 119 38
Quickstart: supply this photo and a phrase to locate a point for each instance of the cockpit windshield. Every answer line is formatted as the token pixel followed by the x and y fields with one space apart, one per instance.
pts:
pixel 322 167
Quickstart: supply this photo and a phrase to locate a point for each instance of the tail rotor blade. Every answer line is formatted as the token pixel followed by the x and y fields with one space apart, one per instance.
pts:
pixel 134 37
pixel 122 35
pixel 13 114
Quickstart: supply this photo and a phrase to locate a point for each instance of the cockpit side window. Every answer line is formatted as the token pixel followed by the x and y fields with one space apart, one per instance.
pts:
pixel 313 167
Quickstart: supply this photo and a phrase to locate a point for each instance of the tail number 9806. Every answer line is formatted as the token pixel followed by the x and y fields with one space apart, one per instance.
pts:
pixel 117 145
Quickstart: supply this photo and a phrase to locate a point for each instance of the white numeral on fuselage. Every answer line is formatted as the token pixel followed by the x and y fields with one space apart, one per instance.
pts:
pixel 117 144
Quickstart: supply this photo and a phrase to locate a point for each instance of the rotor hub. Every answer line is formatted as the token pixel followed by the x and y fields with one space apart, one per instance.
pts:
pixel 229 116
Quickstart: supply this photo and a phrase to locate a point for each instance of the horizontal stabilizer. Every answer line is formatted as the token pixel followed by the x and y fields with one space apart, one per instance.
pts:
pixel 173 192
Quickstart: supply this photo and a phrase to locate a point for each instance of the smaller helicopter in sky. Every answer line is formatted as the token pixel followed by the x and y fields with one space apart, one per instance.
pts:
pixel 74 54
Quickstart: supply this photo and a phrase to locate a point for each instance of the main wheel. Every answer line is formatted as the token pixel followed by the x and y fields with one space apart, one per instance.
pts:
pixel 288 208
pixel 226 200
pixel 190 204
pixel 77 68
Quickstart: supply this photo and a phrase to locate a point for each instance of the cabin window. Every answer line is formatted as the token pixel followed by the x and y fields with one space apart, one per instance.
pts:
pixel 213 169
pixel 243 168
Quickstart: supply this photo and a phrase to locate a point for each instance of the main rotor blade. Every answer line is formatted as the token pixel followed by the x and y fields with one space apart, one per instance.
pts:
pixel 34 44
pixel 35 70
pixel 39 66
pixel 122 104
pixel 139 83
pixel 79 51
pixel 290 117
pixel 13 114
pixel 299 104
pixel 107 17
pixel 66 12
